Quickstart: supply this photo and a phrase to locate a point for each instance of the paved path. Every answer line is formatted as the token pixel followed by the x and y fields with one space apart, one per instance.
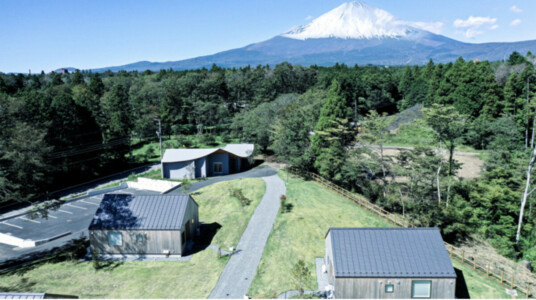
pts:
pixel 261 171
pixel 236 278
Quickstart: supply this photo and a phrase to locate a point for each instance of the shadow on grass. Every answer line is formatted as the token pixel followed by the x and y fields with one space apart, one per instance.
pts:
pixel 206 235
pixel 462 292
pixel 24 285
pixel 72 251
pixel 109 265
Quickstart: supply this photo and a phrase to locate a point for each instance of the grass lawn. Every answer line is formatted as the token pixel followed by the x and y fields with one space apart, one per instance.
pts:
pixel 192 279
pixel 300 234
pixel 216 205
pixel 478 286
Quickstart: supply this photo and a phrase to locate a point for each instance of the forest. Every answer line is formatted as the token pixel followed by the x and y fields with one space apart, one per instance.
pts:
pixel 63 129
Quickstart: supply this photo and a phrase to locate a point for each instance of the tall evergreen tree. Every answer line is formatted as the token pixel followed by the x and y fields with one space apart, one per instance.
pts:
pixel 334 108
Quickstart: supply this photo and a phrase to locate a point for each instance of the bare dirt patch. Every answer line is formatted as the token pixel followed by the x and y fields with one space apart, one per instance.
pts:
pixel 471 163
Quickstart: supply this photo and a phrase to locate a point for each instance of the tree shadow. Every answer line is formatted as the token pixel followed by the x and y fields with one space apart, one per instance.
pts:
pixel 204 239
pixel 462 292
pixel 109 265
pixel 23 285
pixel 72 251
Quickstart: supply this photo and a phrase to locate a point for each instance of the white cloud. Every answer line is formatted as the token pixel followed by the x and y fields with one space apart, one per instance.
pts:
pixel 474 22
pixel 471 33
pixel 472 25
pixel 516 9
pixel 515 22
pixel 434 27
pixel 308 18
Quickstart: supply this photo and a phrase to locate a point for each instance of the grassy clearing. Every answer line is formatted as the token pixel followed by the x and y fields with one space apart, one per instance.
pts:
pixel 300 234
pixel 192 279
pixel 417 133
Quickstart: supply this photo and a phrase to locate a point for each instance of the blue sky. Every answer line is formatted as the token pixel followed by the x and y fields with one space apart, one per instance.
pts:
pixel 45 35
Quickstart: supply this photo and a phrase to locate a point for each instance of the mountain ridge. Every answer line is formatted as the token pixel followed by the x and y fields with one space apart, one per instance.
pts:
pixel 352 33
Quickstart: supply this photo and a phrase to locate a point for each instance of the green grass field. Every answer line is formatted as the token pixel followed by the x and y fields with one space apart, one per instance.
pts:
pixel 216 205
pixel 478 286
pixel 192 279
pixel 300 234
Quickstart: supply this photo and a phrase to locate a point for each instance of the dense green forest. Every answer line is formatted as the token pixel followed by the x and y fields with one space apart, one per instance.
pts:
pixel 62 129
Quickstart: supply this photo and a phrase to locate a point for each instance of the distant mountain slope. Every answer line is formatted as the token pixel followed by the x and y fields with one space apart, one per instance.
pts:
pixel 353 33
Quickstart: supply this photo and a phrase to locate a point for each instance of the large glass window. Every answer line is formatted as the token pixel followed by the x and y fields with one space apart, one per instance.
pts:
pixel 421 288
pixel 115 238
pixel 218 167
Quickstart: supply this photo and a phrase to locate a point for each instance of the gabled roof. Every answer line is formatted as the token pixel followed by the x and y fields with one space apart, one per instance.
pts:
pixel 179 155
pixel 390 252
pixel 155 212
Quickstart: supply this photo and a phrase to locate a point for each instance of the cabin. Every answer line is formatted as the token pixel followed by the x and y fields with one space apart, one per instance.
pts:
pixel 201 163
pixel 127 224
pixel 388 263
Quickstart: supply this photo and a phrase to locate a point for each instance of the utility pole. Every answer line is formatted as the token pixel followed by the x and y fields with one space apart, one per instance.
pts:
pixel 159 133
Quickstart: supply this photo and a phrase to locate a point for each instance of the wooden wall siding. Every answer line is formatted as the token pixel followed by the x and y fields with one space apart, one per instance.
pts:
pixel 442 288
pixel 191 213
pixel 154 242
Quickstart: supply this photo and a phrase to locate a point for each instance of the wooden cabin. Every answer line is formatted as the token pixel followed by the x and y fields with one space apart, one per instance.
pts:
pixel 144 225
pixel 389 263
pixel 201 163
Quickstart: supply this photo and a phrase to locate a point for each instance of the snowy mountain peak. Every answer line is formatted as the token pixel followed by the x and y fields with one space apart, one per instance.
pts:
pixel 352 20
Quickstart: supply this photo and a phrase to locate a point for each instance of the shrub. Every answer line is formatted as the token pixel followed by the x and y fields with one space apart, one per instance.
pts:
pixel 237 193
pixel 300 276
pixel 283 204
pixel 184 141
pixel 95 259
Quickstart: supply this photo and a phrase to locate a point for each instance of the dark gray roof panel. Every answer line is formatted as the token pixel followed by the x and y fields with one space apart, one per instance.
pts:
pixel 22 295
pixel 155 212
pixel 390 252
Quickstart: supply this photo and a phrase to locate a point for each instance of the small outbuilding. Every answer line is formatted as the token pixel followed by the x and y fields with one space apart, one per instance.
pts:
pixel 200 163
pixel 389 263
pixel 144 225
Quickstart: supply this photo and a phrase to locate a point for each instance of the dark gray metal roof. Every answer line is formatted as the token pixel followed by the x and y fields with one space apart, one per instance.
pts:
pixel 390 252
pixel 22 295
pixel 155 212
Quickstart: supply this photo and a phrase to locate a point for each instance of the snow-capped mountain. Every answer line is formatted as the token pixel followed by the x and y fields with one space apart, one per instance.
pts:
pixel 352 20
pixel 353 33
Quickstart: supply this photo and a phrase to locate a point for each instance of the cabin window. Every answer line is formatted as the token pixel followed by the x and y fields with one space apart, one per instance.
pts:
pixel 218 167
pixel 139 238
pixel 389 288
pixel 115 238
pixel 421 288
